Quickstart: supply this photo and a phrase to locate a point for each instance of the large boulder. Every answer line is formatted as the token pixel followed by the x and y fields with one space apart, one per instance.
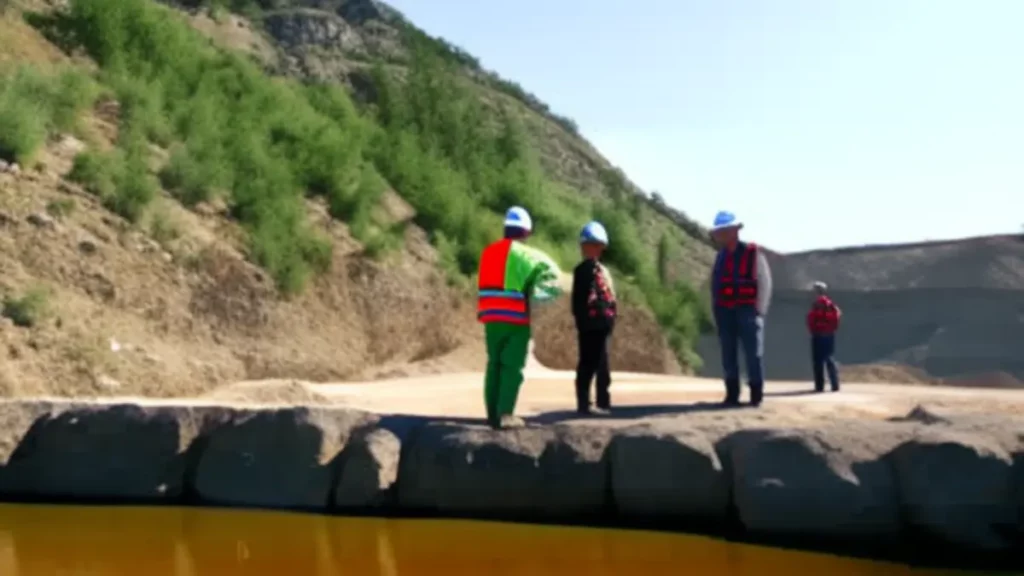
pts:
pixel 827 483
pixel 958 486
pixel 280 458
pixel 112 452
pixel 369 470
pixel 551 472
pixel 667 469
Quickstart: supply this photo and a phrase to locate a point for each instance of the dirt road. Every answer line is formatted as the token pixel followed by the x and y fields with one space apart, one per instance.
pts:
pixel 549 393
pixel 547 396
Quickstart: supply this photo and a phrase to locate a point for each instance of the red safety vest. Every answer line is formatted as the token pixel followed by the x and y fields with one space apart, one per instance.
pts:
pixel 495 303
pixel 823 319
pixel 738 287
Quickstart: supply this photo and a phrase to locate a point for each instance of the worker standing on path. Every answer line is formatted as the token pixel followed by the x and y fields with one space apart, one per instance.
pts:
pixel 594 310
pixel 741 288
pixel 823 322
pixel 511 275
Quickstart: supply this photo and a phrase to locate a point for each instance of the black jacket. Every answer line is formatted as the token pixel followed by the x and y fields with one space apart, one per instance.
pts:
pixel 582 278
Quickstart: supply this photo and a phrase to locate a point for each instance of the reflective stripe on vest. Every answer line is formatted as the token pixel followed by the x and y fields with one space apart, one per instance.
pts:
pixel 823 319
pixel 494 302
pixel 738 287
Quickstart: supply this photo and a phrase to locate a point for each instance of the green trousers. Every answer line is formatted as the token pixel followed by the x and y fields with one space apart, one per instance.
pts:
pixel 507 348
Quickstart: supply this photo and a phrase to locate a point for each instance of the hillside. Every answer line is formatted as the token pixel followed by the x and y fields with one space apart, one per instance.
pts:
pixel 374 51
pixel 180 213
pixel 995 262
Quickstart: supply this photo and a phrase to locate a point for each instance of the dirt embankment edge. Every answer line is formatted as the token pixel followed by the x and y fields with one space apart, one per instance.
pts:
pixel 924 482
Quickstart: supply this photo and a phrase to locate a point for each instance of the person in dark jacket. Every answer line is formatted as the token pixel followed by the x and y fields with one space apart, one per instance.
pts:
pixel 594 310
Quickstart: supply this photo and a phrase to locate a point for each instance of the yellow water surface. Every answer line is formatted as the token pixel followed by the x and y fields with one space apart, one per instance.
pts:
pixel 38 540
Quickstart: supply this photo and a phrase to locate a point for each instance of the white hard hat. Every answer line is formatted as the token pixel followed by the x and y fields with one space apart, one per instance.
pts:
pixel 594 232
pixel 518 217
pixel 819 285
pixel 726 219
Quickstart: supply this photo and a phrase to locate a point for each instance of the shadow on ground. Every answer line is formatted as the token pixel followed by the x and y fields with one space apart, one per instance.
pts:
pixel 787 393
pixel 632 412
pixel 401 424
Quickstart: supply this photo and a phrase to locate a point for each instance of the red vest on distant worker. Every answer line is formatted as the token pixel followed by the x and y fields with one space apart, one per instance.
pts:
pixel 496 303
pixel 737 283
pixel 823 319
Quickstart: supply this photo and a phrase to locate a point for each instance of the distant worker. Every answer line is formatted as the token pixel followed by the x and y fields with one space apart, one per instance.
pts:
pixel 594 310
pixel 741 289
pixel 511 275
pixel 823 322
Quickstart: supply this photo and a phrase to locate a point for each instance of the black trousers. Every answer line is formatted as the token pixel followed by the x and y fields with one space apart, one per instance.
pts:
pixel 593 361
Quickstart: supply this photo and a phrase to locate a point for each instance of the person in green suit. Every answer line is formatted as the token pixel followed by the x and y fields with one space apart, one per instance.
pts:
pixel 511 277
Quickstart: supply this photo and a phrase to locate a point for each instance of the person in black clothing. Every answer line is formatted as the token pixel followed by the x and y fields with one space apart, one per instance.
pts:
pixel 594 309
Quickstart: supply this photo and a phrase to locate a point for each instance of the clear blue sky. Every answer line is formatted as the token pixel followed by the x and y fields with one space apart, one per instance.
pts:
pixel 820 122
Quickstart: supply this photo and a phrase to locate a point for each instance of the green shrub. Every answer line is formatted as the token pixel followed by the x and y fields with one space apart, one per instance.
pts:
pixel 61 208
pixel 120 178
pixel 34 105
pixel 264 143
pixel 135 186
pixel 163 227
pixel 97 172
pixel 28 309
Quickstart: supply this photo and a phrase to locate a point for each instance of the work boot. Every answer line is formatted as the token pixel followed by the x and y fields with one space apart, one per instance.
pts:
pixel 600 411
pixel 510 421
pixel 756 396
pixel 732 394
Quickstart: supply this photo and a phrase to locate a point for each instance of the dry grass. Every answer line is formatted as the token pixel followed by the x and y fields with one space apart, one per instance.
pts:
pixel 234 32
pixel 21 44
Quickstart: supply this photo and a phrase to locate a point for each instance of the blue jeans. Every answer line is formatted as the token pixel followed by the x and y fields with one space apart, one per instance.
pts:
pixel 823 347
pixel 741 326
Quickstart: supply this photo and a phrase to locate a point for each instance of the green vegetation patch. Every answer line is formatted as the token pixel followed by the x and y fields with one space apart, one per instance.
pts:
pixel 262 144
pixel 34 106
pixel 28 309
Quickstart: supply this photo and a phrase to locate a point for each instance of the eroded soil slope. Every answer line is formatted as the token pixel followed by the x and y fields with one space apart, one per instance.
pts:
pixel 173 307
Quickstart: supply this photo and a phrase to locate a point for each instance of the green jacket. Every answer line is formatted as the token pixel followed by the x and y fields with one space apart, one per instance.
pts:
pixel 512 276
pixel 532 272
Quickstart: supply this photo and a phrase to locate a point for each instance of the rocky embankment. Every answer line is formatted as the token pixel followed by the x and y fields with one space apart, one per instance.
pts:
pixel 950 483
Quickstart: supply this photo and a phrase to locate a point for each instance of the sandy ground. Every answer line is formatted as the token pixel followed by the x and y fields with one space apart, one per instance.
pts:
pixel 550 393
pixel 547 396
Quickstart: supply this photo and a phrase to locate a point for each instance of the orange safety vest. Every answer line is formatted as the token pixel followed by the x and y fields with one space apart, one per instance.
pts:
pixel 738 287
pixel 824 317
pixel 495 302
